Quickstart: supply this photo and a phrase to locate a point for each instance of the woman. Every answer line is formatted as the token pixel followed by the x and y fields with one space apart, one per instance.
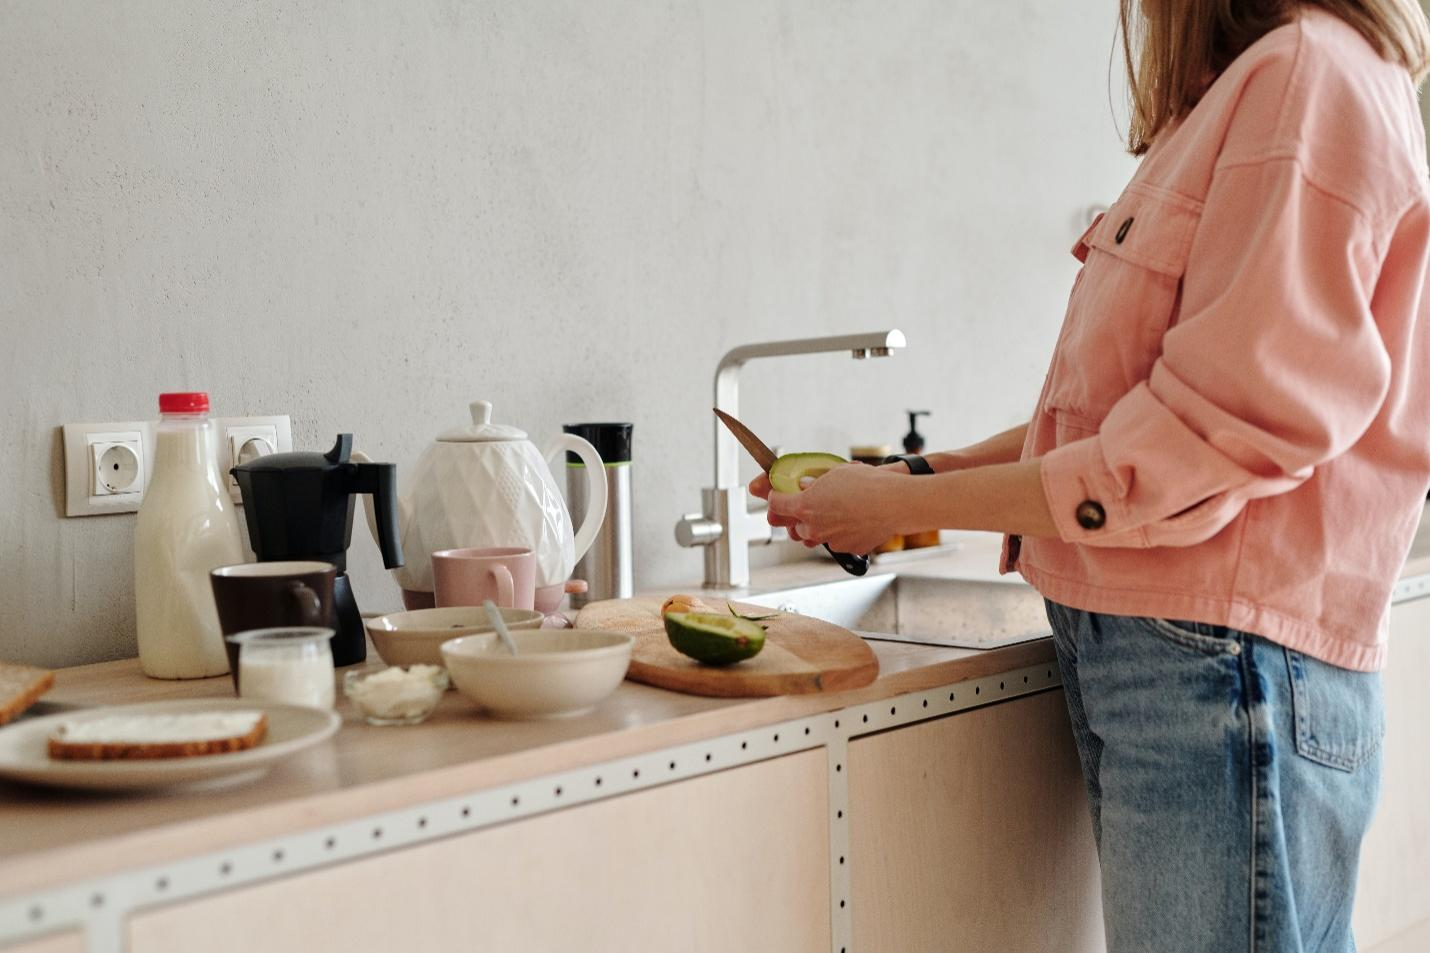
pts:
pixel 1234 435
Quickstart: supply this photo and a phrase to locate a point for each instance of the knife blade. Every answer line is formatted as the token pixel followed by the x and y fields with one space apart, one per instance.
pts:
pixel 753 445
pixel 851 563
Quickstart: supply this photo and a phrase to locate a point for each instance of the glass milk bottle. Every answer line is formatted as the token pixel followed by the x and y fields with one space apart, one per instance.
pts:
pixel 187 525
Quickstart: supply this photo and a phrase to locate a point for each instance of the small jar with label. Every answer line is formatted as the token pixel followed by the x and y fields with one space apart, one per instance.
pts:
pixel 292 665
pixel 873 455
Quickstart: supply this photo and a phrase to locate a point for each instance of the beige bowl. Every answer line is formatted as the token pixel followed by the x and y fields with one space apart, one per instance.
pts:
pixel 416 637
pixel 555 673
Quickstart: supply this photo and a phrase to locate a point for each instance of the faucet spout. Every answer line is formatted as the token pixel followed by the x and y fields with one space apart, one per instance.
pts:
pixel 727 381
pixel 726 527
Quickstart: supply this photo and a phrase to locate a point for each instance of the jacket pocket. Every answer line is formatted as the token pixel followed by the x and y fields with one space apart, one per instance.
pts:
pixel 1339 714
pixel 1125 297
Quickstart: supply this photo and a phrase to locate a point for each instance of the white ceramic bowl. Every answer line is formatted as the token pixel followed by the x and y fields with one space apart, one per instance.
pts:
pixel 555 673
pixel 416 637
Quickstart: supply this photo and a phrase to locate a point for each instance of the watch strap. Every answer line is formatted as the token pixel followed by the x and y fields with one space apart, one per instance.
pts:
pixel 917 465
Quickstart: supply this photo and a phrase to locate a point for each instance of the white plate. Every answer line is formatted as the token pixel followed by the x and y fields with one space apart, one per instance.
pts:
pixel 24 754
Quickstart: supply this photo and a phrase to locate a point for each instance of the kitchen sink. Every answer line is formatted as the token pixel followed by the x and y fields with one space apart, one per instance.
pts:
pixel 926 609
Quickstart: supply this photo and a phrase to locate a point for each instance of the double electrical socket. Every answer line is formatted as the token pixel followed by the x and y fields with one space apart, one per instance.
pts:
pixel 107 466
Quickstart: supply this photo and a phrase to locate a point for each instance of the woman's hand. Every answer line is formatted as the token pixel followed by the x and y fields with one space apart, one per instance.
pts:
pixel 845 508
pixel 760 487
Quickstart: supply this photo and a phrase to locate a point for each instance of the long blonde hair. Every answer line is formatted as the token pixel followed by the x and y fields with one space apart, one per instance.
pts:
pixel 1175 48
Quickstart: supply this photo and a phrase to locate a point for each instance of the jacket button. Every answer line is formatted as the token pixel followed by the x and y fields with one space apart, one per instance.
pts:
pixel 1122 231
pixel 1090 515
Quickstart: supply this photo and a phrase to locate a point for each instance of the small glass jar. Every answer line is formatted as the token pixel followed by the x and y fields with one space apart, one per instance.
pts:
pixel 395 695
pixel 292 665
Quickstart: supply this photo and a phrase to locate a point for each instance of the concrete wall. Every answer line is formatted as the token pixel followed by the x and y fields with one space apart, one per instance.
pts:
pixel 367 214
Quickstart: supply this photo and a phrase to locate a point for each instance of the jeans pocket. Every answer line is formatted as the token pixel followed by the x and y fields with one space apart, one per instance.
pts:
pixel 1179 634
pixel 1340 714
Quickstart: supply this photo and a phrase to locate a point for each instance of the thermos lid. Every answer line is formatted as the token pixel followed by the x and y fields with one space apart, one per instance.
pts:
pixel 612 441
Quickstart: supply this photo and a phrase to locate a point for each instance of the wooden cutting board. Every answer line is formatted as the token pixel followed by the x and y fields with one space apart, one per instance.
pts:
pixel 801 655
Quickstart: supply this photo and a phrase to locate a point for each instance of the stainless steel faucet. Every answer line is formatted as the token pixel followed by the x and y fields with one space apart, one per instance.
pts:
pixel 727 526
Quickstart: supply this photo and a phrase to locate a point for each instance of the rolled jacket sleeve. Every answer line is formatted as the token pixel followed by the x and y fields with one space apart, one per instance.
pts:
pixel 1273 366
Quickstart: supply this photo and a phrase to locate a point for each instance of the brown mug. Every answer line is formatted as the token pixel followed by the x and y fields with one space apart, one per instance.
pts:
pixel 271 595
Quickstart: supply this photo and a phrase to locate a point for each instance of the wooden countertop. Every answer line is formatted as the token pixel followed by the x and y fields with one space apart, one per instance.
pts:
pixel 51 838
pixel 54 837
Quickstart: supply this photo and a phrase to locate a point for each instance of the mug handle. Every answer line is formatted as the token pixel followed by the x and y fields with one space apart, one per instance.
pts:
pixel 506 586
pixel 310 607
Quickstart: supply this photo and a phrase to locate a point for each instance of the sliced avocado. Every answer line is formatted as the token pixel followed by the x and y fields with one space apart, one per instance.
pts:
pixel 788 470
pixel 713 638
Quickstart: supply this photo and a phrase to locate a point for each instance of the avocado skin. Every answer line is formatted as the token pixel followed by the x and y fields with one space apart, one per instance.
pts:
pixel 733 641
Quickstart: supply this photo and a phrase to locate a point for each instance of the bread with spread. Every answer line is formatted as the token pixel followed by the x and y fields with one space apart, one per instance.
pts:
pixel 20 687
pixel 138 737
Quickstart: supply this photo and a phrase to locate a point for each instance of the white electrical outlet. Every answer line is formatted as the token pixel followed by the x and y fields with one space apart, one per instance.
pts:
pixel 242 439
pixel 118 463
pixel 106 467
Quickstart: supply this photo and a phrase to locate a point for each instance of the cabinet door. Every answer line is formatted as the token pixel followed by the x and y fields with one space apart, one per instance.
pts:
pixel 71 942
pixel 737 860
pixel 1393 895
pixel 971 832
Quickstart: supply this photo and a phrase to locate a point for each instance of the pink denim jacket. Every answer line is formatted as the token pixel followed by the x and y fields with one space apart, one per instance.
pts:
pixel 1235 428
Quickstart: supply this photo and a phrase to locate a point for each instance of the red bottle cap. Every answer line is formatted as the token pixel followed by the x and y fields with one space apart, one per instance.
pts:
pixel 196 402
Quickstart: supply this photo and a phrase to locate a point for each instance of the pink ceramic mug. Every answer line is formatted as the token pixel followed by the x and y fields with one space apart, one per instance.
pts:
pixel 504 574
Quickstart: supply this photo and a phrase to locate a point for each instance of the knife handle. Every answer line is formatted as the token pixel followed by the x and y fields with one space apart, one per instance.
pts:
pixel 850 563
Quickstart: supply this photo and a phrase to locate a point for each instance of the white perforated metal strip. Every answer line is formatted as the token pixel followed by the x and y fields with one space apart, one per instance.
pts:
pixel 101 906
pixel 841 921
pixel 1411 587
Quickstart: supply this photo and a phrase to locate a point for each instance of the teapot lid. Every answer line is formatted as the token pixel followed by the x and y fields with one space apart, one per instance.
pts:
pixel 481 429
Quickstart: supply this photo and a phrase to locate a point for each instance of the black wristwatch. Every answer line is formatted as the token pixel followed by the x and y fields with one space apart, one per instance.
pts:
pixel 917 465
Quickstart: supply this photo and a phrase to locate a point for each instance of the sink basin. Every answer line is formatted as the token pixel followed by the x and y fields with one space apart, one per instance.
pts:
pixel 926 609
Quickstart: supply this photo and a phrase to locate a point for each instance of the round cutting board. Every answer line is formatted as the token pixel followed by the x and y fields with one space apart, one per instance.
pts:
pixel 801 655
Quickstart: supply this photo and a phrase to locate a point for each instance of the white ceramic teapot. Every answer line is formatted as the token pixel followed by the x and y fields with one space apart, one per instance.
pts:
pixel 486 484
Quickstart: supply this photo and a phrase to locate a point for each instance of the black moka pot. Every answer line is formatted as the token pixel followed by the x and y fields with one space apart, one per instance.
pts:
pixel 300 506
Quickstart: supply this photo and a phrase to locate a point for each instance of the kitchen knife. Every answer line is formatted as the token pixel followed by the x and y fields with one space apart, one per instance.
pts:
pixel 765 457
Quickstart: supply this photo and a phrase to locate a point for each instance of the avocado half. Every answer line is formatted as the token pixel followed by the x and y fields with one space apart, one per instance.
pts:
pixel 788 470
pixel 712 638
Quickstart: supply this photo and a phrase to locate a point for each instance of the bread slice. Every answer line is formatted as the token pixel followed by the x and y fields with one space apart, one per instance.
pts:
pixel 131 737
pixel 20 687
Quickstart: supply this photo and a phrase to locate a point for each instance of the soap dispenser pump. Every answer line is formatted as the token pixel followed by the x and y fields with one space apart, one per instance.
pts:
pixel 913 440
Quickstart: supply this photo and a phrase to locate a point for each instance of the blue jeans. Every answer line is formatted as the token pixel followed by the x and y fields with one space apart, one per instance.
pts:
pixel 1230 780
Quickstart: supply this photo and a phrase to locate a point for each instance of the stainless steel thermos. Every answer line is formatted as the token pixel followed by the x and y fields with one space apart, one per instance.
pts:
pixel 606 567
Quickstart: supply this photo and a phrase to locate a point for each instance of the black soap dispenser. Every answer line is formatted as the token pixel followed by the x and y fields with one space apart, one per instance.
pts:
pixel 913 440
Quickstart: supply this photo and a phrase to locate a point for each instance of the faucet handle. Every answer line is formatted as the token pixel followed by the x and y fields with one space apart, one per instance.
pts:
pixel 696 529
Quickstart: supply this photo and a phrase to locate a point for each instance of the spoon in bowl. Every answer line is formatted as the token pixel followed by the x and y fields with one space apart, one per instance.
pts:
pixel 499 624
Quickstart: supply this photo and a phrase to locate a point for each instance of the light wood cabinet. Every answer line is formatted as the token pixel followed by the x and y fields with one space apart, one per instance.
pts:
pixel 1393 896
pixel 736 860
pixel 971 832
pixel 68 942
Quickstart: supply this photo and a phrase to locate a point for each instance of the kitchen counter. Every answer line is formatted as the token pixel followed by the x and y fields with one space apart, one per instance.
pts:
pixel 54 842
pixel 51 837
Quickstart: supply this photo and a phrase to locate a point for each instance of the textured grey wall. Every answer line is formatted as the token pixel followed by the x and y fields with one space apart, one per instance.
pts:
pixel 366 215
